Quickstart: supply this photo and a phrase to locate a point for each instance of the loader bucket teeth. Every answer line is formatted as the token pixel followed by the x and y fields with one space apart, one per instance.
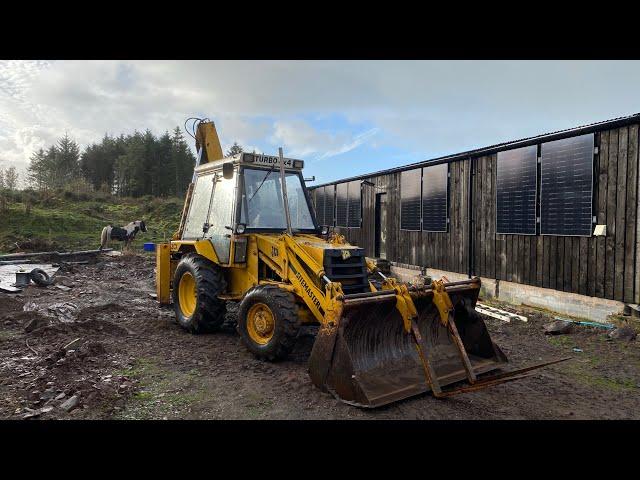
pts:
pixel 370 360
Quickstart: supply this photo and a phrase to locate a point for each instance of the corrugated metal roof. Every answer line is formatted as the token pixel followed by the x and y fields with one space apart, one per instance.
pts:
pixel 479 152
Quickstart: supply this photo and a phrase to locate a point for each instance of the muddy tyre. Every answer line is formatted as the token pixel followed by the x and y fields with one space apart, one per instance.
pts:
pixel 268 322
pixel 196 285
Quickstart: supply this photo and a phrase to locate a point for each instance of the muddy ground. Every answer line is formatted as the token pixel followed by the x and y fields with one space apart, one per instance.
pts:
pixel 120 356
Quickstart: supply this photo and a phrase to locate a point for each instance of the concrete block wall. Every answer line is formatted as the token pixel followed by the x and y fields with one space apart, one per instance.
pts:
pixel 406 273
pixel 592 308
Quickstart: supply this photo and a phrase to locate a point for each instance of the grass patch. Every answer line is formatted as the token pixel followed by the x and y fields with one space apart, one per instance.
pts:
pixel 162 392
pixel 586 375
pixel 561 340
pixel 62 223
pixel 621 321
pixel 138 369
pixel 4 335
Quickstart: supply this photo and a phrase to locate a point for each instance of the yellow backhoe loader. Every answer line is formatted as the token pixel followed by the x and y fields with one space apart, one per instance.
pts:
pixel 249 234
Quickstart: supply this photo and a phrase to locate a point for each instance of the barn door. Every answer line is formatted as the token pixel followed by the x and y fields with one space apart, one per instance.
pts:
pixel 381 225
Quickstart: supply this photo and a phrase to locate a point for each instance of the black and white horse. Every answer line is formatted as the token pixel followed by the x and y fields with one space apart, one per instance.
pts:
pixel 125 234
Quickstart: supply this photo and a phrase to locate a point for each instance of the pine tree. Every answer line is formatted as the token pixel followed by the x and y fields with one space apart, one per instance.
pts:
pixel 1 179
pixel 184 161
pixel 37 172
pixel 67 160
pixel 235 149
pixel 165 163
pixel 97 162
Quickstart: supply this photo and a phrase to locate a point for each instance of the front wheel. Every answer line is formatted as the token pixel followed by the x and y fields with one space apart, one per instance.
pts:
pixel 196 286
pixel 268 322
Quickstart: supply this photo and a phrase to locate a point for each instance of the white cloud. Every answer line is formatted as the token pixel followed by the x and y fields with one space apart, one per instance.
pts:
pixel 358 140
pixel 300 139
pixel 428 107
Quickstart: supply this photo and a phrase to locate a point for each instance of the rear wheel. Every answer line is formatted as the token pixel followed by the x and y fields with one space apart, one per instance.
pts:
pixel 196 286
pixel 268 322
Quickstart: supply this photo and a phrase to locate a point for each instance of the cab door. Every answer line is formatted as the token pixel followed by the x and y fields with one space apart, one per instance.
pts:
pixel 220 219
pixel 196 223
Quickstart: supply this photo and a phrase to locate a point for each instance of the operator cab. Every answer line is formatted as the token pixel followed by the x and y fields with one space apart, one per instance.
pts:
pixel 243 194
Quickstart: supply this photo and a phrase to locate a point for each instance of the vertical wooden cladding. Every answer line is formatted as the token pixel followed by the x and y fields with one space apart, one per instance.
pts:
pixel 606 267
pixel 442 250
pixel 613 270
pixel 352 192
pixel 490 249
pixel 446 250
pixel 597 266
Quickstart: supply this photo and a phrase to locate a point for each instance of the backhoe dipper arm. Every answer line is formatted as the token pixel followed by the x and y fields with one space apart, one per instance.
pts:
pixel 207 137
pixel 209 149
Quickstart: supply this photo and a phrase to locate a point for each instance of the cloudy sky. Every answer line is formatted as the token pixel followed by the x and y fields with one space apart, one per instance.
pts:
pixel 343 117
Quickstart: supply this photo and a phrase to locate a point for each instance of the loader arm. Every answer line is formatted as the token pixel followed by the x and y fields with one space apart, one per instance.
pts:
pixel 297 268
pixel 325 305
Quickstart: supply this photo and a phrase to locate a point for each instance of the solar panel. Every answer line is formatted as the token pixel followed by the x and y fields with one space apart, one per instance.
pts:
pixel 318 204
pixel 434 198
pixel 566 186
pixel 354 206
pixel 516 182
pixel 342 200
pixel 329 204
pixel 410 199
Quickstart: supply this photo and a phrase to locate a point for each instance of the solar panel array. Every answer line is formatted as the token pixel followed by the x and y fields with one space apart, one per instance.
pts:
pixel 565 193
pixel 516 185
pixel 566 186
pixel 434 198
pixel 410 182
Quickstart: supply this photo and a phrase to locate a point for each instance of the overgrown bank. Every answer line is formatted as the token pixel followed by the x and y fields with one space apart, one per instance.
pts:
pixel 32 221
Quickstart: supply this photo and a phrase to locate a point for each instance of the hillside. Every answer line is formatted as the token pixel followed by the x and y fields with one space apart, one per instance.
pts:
pixel 65 221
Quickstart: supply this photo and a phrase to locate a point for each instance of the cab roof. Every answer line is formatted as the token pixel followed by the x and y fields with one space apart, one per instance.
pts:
pixel 253 159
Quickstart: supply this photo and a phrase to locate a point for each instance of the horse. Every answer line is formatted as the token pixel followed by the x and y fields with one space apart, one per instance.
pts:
pixel 125 234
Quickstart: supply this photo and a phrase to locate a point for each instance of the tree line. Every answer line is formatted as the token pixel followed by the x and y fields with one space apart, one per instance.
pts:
pixel 127 165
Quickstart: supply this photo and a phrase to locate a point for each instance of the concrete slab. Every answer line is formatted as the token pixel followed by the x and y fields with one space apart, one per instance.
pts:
pixel 564 303
pixel 406 273
pixel 582 306
pixel 488 288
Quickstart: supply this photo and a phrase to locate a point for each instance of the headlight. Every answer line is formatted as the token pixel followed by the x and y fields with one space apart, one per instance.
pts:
pixel 325 230
pixel 240 228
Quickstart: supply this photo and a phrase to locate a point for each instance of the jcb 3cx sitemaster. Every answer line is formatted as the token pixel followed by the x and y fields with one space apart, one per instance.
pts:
pixel 249 234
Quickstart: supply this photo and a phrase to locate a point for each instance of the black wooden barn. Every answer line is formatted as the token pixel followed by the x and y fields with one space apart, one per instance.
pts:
pixel 557 211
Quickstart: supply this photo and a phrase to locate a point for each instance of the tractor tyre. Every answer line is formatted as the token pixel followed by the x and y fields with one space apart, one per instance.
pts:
pixel 268 322
pixel 197 283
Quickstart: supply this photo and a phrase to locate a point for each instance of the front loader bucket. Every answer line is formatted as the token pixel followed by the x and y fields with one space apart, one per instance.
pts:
pixel 369 359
